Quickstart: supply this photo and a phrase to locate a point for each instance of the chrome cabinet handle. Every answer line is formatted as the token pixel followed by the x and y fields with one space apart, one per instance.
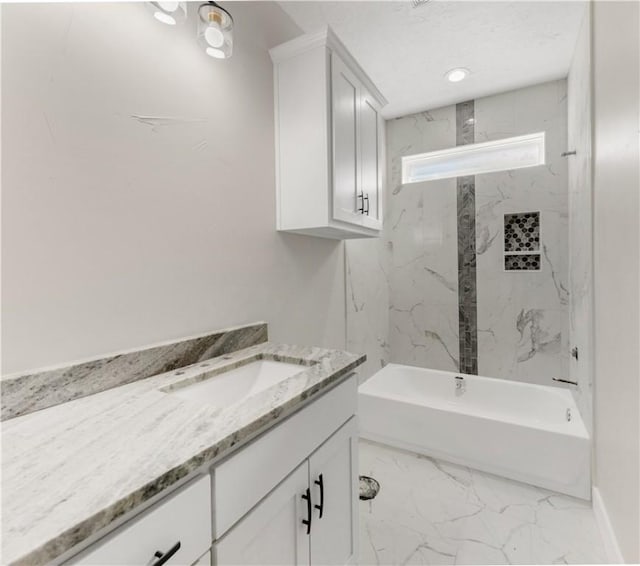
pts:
pixel 320 482
pixel 366 197
pixel 361 209
pixel 307 521
pixel 163 557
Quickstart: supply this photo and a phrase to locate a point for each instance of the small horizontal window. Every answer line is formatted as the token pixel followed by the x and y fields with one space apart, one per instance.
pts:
pixel 476 158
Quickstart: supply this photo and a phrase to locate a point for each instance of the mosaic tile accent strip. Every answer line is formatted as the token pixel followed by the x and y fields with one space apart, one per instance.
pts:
pixel 522 232
pixel 522 262
pixel 467 283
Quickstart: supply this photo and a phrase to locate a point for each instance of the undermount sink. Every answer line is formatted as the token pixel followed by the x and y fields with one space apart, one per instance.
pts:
pixel 238 383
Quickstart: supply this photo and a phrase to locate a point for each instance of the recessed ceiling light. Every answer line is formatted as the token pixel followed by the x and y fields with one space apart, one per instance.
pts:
pixel 456 75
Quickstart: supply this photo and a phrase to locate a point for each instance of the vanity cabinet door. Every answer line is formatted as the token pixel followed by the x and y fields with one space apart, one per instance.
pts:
pixel 273 532
pixel 333 477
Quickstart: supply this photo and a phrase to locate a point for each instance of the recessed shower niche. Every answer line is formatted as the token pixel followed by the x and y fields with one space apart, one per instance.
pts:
pixel 522 241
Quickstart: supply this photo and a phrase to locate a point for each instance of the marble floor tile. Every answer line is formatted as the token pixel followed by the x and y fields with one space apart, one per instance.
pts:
pixel 432 512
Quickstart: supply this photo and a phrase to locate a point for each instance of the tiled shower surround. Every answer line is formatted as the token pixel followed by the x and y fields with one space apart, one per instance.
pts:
pixel 521 316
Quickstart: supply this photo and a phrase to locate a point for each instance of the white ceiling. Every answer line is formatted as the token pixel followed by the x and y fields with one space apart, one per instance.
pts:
pixel 406 50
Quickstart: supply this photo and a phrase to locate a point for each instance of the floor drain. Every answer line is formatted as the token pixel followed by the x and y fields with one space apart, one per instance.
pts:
pixel 369 488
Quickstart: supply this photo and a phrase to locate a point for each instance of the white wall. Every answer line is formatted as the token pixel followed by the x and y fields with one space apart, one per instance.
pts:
pixel 581 220
pixel 616 99
pixel 120 231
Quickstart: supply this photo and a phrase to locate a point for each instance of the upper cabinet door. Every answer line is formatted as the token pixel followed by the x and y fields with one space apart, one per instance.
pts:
pixel 371 160
pixel 334 485
pixel 346 151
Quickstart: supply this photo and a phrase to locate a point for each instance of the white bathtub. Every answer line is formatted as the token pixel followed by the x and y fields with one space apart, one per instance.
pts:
pixel 516 430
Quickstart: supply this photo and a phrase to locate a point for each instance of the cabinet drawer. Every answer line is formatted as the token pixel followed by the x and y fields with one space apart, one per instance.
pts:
pixel 184 517
pixel 246 477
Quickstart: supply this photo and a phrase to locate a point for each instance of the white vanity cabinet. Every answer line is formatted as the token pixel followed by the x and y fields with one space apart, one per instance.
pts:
pixel 287 497
pixel 329 140
pixel 175 531
pixel 310 518
pixel 290 497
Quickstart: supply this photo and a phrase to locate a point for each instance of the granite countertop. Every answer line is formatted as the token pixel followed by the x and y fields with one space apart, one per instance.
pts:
pixel 71 469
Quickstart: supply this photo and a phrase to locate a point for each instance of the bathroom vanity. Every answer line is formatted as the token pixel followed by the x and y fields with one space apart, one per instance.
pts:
pixel 248 458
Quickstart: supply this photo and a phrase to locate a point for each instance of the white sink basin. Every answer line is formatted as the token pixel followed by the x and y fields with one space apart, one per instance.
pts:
pixel 238 383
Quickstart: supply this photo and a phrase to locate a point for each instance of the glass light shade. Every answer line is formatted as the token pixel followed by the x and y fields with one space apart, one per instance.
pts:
pixel 215 30
pixel 473 159
pixel 213 36
pixel 215 53
pixel 170 13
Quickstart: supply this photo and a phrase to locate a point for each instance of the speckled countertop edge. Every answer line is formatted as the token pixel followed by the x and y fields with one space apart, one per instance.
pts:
pixel 67 470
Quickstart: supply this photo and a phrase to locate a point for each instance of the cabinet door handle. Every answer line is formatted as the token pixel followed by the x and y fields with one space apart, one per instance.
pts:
pixel 320 507
pixel 164 556
pixel 366 197
pixel 307 521
pixel 361 209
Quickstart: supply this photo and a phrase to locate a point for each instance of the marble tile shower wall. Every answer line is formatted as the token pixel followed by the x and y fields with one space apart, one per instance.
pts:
pixel 522 317
pixel 421 227
pixel 367 272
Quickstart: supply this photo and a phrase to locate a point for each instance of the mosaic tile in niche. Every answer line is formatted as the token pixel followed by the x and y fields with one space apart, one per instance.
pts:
pixel 522 232
pixel 522 262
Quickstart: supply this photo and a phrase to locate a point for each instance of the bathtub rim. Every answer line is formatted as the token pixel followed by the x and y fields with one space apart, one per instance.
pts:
pixel 576 428
pixel 509 382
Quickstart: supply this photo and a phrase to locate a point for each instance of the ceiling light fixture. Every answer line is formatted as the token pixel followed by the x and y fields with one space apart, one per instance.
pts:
pixel 457 75
pixel 215 30
pixel 169 13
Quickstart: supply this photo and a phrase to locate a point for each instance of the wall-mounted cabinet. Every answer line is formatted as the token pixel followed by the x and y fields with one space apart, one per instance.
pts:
pixel 329 140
